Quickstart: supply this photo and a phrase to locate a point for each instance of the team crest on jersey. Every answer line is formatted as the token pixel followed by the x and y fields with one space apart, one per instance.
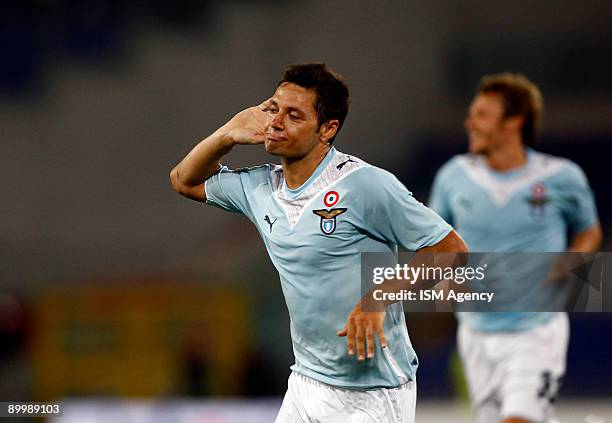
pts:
pixel 538 199
pixel 328 219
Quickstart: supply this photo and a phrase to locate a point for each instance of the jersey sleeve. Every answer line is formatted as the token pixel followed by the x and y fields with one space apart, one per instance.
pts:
pixel 393 214
pixel 439 196
pixel 226 190
pixel 577 200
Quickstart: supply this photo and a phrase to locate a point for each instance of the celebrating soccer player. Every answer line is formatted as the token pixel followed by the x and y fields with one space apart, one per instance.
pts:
pixel 316 213
pixel 506 197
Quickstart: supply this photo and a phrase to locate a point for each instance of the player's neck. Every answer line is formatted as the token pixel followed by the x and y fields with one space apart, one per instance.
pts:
pixel 296 172
pixel 507 157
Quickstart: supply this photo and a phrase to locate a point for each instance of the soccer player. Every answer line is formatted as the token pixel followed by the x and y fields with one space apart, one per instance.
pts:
pixel 506 197
pixel 316 213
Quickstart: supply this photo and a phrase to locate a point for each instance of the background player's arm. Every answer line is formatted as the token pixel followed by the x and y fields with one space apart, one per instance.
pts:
pixel 247 127
pixel 579 211
pixel 587 241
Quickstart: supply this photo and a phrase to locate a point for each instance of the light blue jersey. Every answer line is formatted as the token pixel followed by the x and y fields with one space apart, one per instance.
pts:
pixel 529 209
pixel 314 236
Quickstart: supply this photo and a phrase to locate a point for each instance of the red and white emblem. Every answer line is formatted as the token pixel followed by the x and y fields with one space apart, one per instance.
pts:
pixel 331 198
pixel 538 191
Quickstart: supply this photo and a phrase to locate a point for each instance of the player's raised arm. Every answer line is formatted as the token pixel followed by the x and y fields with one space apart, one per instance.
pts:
pixel 247 127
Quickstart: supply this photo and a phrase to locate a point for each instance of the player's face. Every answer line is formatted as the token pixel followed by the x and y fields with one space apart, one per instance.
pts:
pixel 291 127
pixel 485 123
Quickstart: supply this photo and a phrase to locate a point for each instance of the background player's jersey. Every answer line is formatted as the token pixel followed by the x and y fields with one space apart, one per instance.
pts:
pixel 529 209
pixel 314 236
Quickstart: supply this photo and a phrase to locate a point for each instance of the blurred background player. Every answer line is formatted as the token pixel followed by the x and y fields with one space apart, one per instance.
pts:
pixel 506 197
pixel 316 213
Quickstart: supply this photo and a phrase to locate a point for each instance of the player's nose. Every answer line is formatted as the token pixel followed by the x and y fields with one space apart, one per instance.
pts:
pixel 277 121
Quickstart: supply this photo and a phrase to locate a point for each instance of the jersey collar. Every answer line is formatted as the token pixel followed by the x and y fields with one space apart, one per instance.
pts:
pixel 294 193
pixel 512 173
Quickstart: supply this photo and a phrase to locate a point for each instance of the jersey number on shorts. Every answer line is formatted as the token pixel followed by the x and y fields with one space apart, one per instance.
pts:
pixel 550 387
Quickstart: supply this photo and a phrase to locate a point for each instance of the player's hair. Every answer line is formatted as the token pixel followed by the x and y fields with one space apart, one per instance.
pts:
pixel 333 98
pixel 520 97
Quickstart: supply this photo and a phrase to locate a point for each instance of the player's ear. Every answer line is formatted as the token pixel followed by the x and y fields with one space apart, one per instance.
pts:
pixel 514 123
pixel 328 130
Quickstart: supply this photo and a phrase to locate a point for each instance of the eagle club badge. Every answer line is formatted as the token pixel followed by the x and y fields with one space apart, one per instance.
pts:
pixel 538 199
pixel 328 216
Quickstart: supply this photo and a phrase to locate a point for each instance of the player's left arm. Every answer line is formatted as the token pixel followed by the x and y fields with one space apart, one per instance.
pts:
pixel 361 325
pixel 451 243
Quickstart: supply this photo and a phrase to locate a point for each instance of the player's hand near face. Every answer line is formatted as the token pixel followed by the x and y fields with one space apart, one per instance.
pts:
pixel 248 126
pixel 359 331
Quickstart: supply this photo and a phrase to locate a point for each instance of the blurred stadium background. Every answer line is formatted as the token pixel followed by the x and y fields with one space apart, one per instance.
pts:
pixel 135 305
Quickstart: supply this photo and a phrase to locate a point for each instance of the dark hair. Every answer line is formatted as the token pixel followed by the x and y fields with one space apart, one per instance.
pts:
pixel 332 92
pixel 520 97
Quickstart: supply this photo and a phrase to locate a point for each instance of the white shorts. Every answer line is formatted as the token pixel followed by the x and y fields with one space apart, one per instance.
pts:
pixel 308 400
pixel 515 374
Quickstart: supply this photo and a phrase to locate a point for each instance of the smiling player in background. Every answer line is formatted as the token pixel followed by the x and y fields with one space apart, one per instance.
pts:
pixel 506 197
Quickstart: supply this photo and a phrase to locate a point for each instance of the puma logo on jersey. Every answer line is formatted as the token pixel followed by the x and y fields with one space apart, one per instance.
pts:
pixel 267 220
pixel 341 165
pixel 328 219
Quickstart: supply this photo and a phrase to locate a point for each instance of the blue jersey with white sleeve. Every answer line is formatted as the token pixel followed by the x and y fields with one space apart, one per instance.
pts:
pixel 314 236
pixel 529 209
